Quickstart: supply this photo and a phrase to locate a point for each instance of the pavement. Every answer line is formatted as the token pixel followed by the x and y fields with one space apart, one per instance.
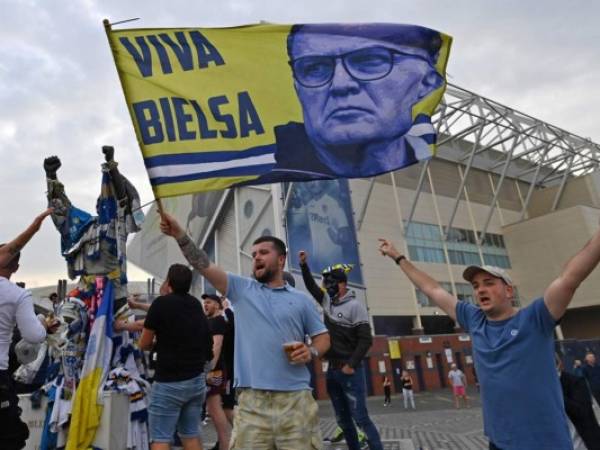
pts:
pixel 434 425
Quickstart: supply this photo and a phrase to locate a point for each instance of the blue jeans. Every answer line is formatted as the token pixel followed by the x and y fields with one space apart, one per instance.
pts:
pixel 348 396
pixel 176 406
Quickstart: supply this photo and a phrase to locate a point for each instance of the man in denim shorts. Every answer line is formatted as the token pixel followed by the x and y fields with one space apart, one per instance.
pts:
pixel 276 410
pixel 183 346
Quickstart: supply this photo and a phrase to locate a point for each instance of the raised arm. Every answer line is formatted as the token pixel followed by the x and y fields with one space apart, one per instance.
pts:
pixel 115 175
pixel 560 292
pixel 431 288
pixel 197 257
pixel 309 281
pixel 10 249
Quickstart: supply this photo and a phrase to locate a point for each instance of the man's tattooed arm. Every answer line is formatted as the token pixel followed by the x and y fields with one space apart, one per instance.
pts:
pixel 197 257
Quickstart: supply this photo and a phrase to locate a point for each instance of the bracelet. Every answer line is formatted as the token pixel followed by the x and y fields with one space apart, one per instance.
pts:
pixel 399 258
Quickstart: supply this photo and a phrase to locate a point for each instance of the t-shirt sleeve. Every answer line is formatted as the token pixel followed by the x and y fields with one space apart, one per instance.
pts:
pixel 30 327
pixel 541 316
pixel 217 326
pixel 153 316
pixel 466 314
pixel 312 319
pixel 236 285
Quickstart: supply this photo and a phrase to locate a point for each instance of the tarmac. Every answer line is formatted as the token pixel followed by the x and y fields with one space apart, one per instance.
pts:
pixel 434 425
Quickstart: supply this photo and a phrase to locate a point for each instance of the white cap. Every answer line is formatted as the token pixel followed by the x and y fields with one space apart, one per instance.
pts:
pixel 497 272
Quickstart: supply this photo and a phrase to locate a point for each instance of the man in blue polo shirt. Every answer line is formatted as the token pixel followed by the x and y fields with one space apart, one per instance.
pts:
pixel 276 409
pixel 513 349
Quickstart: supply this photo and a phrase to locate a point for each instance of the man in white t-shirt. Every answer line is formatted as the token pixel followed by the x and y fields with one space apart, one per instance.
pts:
pixel 16 309
pixel 459 384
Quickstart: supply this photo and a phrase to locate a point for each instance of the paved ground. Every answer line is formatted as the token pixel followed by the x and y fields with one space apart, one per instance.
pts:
pixel 434 425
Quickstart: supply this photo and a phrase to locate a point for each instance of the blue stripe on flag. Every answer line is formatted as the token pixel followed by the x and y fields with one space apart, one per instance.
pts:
pixel 422 118
pixel 232 172
pixel 429 138
pixel 208 157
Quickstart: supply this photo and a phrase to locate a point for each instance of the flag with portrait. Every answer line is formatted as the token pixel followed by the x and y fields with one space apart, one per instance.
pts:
pixel 220 107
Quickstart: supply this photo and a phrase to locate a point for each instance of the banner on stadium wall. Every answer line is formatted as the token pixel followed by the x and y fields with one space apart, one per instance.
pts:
pixel 219 107
pixel 394 348
pixel 320 221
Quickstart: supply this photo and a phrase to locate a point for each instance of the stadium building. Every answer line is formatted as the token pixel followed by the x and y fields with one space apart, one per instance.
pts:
pixel 504 189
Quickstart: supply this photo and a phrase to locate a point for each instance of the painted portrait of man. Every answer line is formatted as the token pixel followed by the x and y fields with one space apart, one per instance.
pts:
pixel 358 86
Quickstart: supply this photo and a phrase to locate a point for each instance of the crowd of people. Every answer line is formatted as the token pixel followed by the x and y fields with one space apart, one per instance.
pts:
pixel 528 400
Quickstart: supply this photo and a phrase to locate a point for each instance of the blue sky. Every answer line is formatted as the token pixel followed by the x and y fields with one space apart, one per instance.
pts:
pixel 60 93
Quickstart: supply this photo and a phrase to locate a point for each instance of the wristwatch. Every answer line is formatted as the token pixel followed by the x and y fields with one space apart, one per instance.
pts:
pixel 399 258
pixel 314 352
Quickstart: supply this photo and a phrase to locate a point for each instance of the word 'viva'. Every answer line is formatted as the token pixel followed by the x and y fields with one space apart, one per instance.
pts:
pixel 205 52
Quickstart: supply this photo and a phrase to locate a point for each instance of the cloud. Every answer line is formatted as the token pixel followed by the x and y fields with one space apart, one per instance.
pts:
pixel 61 94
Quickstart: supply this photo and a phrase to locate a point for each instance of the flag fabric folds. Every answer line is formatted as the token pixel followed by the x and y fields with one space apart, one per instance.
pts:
pixel 87 402
pixel 220 107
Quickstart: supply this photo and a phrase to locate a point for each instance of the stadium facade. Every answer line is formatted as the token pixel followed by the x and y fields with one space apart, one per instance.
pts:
pixel 504 189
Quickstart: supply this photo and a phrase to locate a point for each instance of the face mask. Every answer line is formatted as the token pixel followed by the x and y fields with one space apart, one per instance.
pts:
pixel 332 288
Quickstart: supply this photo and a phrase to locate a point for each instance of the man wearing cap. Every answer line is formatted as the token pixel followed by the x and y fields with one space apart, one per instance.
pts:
pixel 216 379
pixel 513 349
pixel 276 409
pixel 348 324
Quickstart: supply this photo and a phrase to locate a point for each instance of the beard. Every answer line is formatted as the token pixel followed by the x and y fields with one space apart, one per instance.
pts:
pixel 267 276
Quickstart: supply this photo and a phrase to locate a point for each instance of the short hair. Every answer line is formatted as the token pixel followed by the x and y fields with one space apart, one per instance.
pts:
pixel 396 34
pixel 277 243
pixel 13 263
pixel 179 278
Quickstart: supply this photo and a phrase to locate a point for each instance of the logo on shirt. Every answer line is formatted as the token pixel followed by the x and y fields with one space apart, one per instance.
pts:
pixel 340 315
pixel 514 332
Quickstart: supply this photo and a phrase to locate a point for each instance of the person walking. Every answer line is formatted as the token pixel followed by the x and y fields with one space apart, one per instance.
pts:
pixel 387 391
pixel 407 390
pixel 276 409
pixel 458 380
pixel 179 332
pixel 513 349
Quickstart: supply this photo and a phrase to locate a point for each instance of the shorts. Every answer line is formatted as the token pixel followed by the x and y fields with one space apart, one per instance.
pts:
pixel 228 397
pixel 274 419
pixel 458 390
pixel 176 406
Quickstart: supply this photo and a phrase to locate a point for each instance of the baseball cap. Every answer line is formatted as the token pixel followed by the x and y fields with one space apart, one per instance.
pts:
pixel 338 272
pixel 497 272
pixel 213 297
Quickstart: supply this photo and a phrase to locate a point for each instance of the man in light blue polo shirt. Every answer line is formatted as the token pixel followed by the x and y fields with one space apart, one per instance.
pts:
pixel 276 409
pixel 513 349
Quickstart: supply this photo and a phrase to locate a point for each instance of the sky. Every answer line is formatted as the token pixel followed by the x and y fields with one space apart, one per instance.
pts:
pixel 60 93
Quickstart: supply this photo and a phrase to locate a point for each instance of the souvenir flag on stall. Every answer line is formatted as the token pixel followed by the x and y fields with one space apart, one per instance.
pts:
pixel 220 107
pixel 87 403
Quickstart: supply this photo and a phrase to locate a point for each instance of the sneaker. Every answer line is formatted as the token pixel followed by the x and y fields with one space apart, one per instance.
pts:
pixel 363 442
pixel 215 447
pixel 338 436
pixel 362 437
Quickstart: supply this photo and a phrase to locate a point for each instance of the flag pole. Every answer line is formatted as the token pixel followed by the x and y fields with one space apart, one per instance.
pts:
pixel 108 29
